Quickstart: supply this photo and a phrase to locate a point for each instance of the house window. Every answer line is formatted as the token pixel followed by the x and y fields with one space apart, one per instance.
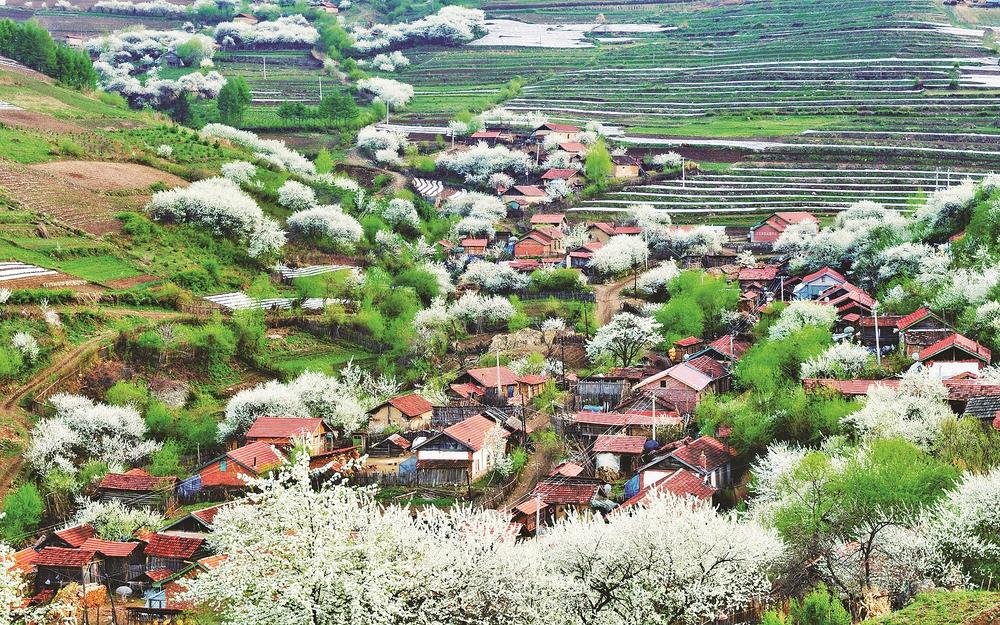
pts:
pixel 223 464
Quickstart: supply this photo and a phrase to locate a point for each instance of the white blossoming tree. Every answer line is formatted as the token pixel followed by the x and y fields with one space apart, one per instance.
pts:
pixel 482 311
pixel 393 93
pixel 81 429
pixel 914 411
pixel 964 528
pixel 802 313
pixel 383 146
pixel 843 360
pixel 296 196
pixel 113 520
pixel 494 277
pixel 240 172
pixel 622 253
pixel 327 221
pixel 655 280
pixel 401 214
pixel 480 162
pixel 624 338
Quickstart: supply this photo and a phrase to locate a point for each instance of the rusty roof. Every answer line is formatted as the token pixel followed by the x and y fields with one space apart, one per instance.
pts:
pixel 472 432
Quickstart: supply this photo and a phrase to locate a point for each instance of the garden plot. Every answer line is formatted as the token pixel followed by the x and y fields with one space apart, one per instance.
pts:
pixel 760 189
pixel 504 33
pixel 14 271
pixel 7 106
pixel 288 274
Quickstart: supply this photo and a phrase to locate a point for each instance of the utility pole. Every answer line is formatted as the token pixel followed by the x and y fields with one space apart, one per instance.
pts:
pixel 499 394
pixel 321 88
pixel 538 513
pixel 878 348
pixel 265 66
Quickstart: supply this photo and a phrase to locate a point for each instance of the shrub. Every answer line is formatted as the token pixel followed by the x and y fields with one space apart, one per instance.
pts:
pixel 23 509
pixel 125 393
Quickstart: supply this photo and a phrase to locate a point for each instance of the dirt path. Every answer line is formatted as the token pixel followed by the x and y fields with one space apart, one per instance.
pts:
pixel 60 369
pixel 536 468
pixel 609 299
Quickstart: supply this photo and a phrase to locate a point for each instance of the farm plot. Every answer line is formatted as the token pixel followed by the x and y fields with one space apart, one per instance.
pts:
pixel 239 300
pixel 75 193
pixel 751 189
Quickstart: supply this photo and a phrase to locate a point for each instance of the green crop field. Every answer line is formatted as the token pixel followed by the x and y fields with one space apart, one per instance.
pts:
pixel 945 608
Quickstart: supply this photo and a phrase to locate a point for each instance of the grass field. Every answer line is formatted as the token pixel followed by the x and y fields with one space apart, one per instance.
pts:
pixel 959 607
pixel 300 352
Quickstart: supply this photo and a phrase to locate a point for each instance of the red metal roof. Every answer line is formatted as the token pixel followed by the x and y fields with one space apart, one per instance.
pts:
pixel 766 273
pixel 473 431
pixel 485 134
pixel 411 405
pixel 617 444
pixel 631 230
pixel 825 271
pixel 604 227
pixel 705 453
pixel 399 441
pixel 957 341
pixel 62 557
pixel 24 560
pixel 475 242
pixel 531 506
pixel 559 174
pixel 559 127
pixel 729 346
pixel 283 427
pixel 567 469
pixel 566 491
pixel 529 190
pixel 490 377
pixel 847 387
pixel 258 457
pixel 532 379
pixel 688 342
pixel 76 535
pixel 548 218
pixel 135 480
pixel 708 366
pixel 109 548
pixel 173 547
pixel 467 390
pixel 207 515
pixel 572 146
pixel 160 574
pixel 682 483
pixel 797 217
pixel 908 320
pixel 623 419
pixel 213 562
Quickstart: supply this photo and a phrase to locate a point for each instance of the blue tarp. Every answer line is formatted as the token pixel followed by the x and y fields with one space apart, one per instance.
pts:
pixel 189 487
pixel 408 466
pixel 632 487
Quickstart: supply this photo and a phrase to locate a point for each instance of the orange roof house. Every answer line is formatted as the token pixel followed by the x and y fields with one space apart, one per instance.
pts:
pixel 408 412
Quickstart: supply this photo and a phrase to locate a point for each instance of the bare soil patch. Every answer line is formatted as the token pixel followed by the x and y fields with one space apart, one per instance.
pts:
pixel 127 283
pixel 36 121
pixel 104 176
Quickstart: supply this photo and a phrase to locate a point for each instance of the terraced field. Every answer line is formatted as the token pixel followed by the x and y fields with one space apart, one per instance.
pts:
pixel 765 189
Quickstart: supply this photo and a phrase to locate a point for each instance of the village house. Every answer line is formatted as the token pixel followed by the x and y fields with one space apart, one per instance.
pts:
pixel 985 408
pixel 492 380
pixel 406 412
pixel 848 300
pixel 618 454
pixel 475 247
pixel 727 347
pixel 541 243
pixel 57 566
pixel 686 383
pixel 885 335
pixel 954 355
pixel 686 347
pixel 771 228
pixel 549 220
pixel 167 590
pixel 575 149
pixel 579 257
pixel 817 282
pixel 391 446
pixel 69 537
pixel 677 482
pixel 625 167
pixel 921 329
pixel 758 278
pixel 245 18
pixel 602 231
pixel 529 385
pixel 194 522
pixel 120 562
pixel 230 471
pixel 169 551
pixel 571 176
pixel 564 133
pixel 563 496
pixel 526 195
pixel 491 137
pixel 705 456
pixel 461 453
pixel 138 489
pixel 643 424
pixel 283 432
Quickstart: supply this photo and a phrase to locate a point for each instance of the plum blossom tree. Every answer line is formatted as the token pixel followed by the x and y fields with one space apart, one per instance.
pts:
pixel 473 226
pixel 475 204
pixel 340 401
pixel 240 172
pixel 943 208
pixel 481 311
pixel 624 338
pixel 802 313
pixel 400 213
pixel 964 529
pixel 494 277
pixel 113 520
pixel 656 279
pixel 291 29
pixel 328 221
pixel 914 411
pixel 557 189
pixel 26 344
pixel 620 254
pixel 296 196
pixel 481 161
pixel 13 588
pixel 842 360
pixel 393 93
pixel 271 151
pixel 500 180
pixel 220 204
pixel 452 25
pixel 382 145
pixel 81 429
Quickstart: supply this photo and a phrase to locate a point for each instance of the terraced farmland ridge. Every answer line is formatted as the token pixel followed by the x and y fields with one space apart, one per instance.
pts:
pixel 747 189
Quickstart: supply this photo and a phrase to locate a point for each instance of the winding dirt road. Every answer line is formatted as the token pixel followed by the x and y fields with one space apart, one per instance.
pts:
pixel 609 299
